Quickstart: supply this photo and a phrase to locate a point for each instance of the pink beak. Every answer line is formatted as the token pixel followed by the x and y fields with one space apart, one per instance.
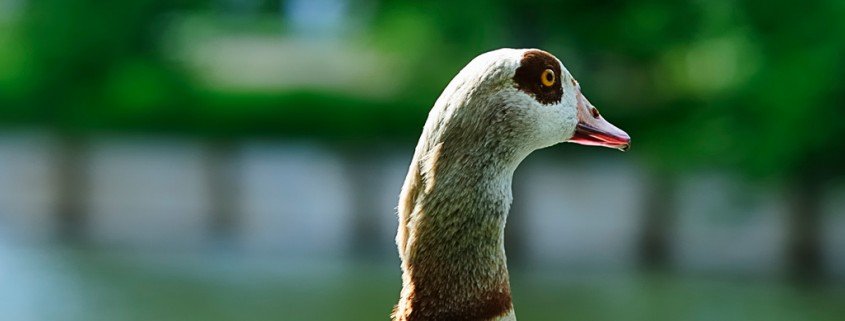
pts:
pixel 593 130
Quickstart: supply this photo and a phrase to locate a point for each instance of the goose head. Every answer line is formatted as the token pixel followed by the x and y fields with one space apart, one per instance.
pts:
pixel 519 100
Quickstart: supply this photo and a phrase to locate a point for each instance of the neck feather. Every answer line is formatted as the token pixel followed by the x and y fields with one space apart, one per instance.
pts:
pixel 452 213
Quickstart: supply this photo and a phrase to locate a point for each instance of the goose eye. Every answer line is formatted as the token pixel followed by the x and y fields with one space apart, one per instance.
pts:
pixel 595 112
pixel 548 78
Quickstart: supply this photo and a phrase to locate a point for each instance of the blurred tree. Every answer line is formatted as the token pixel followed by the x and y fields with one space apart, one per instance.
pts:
pixel 788 118
pixel 713 84
pixel 761 95
pixel 87 63
pixel 616 51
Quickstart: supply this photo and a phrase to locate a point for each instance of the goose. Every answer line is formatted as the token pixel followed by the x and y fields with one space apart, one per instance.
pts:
pixel 456 196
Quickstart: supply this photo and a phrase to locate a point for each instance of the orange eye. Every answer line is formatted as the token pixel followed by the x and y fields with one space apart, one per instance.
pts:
pixel 548 77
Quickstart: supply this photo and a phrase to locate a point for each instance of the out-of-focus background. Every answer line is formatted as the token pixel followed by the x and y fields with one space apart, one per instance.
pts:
pixel 241 159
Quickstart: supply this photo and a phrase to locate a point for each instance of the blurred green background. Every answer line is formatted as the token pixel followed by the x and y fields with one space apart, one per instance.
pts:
pixel 240 159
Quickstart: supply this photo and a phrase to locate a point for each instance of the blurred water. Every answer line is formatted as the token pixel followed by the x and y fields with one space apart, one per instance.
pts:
pixel 833 231
pixel 294 200
pixel 582 213
pixel 62 284
pixel 313 228
pixel 28 185
pixel 147 192
pixel 728 226
pixel 304 199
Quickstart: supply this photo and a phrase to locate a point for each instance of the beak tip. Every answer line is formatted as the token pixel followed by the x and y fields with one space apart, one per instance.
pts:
pixel 627 145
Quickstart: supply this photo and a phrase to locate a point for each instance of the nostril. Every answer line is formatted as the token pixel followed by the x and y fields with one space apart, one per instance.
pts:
pixel 595 112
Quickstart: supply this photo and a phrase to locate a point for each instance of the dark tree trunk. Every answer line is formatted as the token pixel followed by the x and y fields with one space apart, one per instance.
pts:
pixel 222 185
pixel 804 244
pixel 658 220
pixel 362 168
pixel 72 184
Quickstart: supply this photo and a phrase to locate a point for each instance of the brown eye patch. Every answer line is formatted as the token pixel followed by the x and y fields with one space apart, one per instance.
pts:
pixel 531 75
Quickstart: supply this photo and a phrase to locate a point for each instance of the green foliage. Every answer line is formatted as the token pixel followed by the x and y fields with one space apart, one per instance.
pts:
pixel 754 86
